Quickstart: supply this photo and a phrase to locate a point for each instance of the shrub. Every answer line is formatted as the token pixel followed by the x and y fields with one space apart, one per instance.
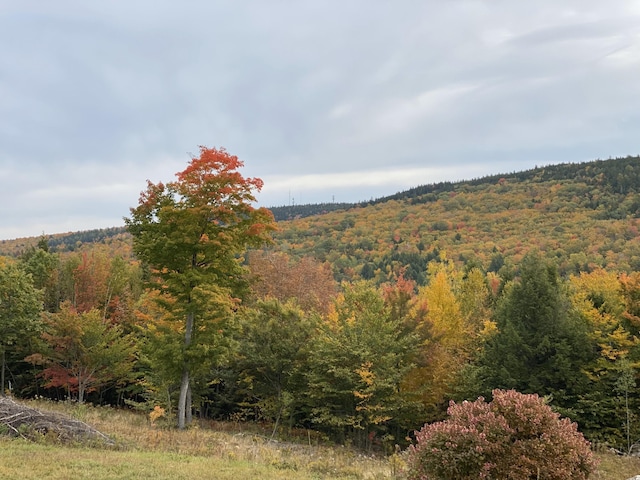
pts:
pixel 515 436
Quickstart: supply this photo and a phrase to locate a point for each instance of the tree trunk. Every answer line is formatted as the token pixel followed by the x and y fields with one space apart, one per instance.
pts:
pixel 626 401
pixel 189 412
pixel 184 398
pixel 2 374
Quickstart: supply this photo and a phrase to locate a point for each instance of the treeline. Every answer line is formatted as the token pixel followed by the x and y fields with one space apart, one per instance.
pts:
pixel 619 175
pixel 68 242
pixel 607 189
pixel 357 362
pixel 616 176
pixel 292 212
pixel 74 240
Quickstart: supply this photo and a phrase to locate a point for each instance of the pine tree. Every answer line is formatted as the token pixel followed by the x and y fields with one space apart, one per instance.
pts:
pixel 540 345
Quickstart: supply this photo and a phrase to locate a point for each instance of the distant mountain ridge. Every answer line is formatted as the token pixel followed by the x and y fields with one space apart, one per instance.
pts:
pixel 607 189
pixel 615 172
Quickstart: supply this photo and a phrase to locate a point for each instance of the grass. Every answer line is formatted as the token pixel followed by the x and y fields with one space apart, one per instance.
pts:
pixel 613 467
pixel 210 450
pixel 20 460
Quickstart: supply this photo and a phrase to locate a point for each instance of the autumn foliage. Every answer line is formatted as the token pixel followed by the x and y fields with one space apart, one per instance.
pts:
pixel 191 233
pixel 515 436
pixel 362 323
pixel 308 281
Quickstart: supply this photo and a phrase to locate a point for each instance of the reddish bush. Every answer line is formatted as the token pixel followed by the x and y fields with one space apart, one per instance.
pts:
pixel 515 436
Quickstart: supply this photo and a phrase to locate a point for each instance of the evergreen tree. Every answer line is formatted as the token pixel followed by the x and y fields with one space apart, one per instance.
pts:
pixel 540 345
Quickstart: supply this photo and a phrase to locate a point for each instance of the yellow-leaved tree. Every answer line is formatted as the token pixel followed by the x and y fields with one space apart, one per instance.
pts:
pixel 599 298
pixel 454 321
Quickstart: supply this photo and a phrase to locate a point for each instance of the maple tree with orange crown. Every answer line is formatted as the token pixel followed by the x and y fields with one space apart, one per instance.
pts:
pixel 191 232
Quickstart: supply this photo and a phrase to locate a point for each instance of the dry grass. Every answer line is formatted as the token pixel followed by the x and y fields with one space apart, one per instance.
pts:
pixel 19 460
pixel 613 467
pixel 215 450
pixel 220 450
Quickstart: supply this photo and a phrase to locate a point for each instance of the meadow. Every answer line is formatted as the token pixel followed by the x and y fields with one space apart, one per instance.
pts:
pixel 219 450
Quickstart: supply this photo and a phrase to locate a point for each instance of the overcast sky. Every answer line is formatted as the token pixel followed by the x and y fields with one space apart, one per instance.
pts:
pixel 324 100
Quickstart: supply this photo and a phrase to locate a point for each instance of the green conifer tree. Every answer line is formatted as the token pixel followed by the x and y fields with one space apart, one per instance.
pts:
pixel 541 344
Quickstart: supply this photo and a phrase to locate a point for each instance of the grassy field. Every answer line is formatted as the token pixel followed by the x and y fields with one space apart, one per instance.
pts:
pixel 213 450
pixel 216 450
pixel 617 468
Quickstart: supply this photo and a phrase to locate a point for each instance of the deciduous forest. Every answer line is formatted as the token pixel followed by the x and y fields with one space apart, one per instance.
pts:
pixel 357 321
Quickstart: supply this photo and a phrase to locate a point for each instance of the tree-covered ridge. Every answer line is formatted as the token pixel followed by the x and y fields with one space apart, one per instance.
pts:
pixel 607 188
pixel 582 216
pixel 291 212
pixel 67 242
pixel 71 241
pixel 619 175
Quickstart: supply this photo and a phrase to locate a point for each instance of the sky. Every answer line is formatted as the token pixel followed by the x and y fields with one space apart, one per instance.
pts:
pixel 323 100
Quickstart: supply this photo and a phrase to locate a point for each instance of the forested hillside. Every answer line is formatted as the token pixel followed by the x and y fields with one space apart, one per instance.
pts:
pixel 360 323
pixel 581 216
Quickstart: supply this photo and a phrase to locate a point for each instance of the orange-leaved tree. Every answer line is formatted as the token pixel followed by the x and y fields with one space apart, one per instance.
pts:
pixel 308 281
pixel 191 232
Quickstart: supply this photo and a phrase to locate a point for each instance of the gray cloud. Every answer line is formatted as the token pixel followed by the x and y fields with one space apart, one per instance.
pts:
pixel 345 100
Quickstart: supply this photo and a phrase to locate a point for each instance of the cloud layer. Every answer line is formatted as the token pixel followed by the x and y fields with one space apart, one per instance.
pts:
pixel 325 101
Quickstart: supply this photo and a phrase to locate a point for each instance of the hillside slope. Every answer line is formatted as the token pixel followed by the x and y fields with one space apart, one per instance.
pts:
pixel 582 216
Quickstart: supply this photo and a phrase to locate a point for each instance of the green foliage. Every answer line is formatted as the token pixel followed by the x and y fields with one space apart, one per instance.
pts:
pixel 71 241
pixel 20 307
pixel 82 352
pixel 540 346
pixel 356 365
pixel 42 266
pixel 291 212
pixel 161 356
pixel 515 436
pixel 191 232
pixel 274 341
pixel 611 401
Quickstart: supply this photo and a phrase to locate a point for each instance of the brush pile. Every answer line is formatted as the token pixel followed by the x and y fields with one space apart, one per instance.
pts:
pixel 17 420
